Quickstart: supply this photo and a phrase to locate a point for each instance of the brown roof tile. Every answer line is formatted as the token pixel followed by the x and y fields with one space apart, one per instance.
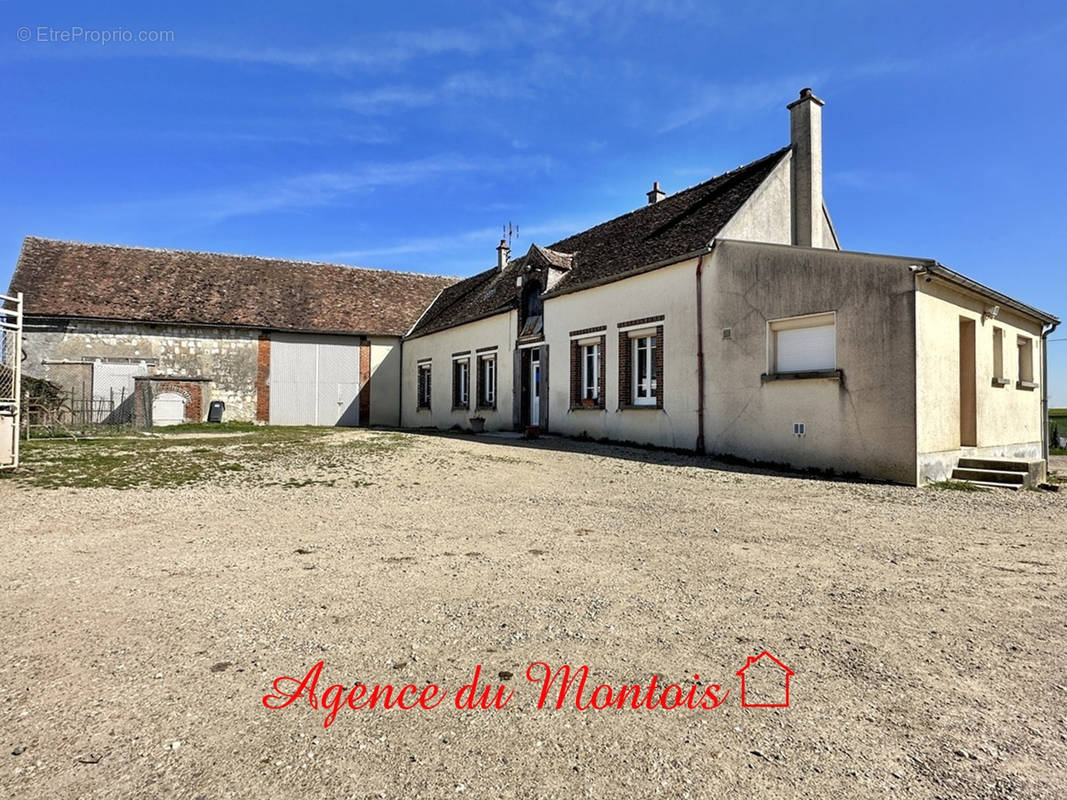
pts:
pixel 72 279
pixel 680 223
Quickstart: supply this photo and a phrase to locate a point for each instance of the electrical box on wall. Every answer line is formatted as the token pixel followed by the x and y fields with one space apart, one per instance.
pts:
pixel 798 429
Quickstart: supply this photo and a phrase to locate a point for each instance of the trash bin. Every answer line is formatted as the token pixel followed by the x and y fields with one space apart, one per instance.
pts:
pixel 214 411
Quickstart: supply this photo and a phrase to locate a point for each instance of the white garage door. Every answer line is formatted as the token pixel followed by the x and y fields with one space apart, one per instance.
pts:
pixel 314 380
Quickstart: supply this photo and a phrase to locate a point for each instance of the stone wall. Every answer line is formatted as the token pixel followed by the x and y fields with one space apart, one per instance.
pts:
pixel 57 350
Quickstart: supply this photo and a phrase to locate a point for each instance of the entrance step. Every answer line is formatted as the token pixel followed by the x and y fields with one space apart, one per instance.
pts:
pixel 1006 473
pixel 1002 464
pixel 989 476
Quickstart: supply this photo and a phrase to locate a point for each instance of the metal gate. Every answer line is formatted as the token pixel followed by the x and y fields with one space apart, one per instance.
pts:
pixel 10 379
pixel 314 380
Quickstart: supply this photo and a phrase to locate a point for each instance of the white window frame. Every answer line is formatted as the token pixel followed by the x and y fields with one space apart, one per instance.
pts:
pixel 591 352
pixel 424 388
pixel 998 354
pixel 487 380
pixel 1025 361
pixel 648 355
pixel 824 319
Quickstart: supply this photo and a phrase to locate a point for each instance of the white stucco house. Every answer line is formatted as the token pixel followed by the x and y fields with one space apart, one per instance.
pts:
pixel 722 319
pixel 727 319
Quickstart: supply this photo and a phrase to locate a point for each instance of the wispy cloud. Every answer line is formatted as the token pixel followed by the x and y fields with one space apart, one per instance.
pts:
pixel 317 189
pixel 471 84
pixel 737 99
pixel 378 51
pixel 468 251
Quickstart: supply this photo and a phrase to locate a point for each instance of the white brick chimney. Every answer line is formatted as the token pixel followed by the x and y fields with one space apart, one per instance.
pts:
pixel 656 194
pixel 805 131
pixel 503 252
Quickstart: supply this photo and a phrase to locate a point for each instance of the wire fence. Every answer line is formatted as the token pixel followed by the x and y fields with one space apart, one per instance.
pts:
pixel 52 410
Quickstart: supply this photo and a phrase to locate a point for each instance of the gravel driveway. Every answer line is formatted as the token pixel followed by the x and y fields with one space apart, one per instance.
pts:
pixel 142 628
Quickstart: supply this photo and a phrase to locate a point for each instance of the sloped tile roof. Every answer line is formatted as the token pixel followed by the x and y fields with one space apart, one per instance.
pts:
pixel 96 281
pixel 680 223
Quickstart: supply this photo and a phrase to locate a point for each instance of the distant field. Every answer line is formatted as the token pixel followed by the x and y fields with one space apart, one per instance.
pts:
pixel 1057 418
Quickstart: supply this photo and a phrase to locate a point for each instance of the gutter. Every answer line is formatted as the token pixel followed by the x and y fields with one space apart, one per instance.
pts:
pixel 700 351
pixel 39 320
pixel 941 271
pixel 1044 390
pixel 618 276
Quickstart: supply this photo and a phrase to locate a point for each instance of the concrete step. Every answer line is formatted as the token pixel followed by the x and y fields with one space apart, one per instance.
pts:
pixel 993 485
pixel 998 464
pixel 989 476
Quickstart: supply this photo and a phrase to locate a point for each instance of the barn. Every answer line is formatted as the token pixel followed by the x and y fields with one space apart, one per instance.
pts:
pixel 132 333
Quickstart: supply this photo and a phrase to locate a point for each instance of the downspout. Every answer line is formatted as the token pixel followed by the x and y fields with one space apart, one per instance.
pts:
pixel 1044 390
pixel 700 351
pixel 400 387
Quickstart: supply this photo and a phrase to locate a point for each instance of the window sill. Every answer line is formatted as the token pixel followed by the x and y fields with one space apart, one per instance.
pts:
pixel 461 408
pixel 1001 381
pixel 587 408
pixel 485 408
pixel 1028 385
pixel 629 407
pixel 814 375
pixel 423 408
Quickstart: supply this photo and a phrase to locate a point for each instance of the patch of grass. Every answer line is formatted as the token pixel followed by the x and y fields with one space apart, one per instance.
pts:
pixel 245 458
pixel 958 486
pixel 212 427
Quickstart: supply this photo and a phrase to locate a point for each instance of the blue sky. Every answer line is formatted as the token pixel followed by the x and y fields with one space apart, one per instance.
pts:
pixel 404 135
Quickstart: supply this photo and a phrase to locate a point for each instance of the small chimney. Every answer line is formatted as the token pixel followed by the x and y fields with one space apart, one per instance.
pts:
pixel 656 194
pixel 805 133
pixel 503 252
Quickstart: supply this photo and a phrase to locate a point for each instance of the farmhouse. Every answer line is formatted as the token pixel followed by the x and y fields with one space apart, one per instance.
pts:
pixel 724 319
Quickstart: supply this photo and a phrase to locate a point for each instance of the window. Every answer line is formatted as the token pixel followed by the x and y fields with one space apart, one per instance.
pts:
pixel 803 344
pixel 998 357
pixel 1026 364
pixel 461 383
pixel 423 390
pixel 591 372
pixel 641 363
pixel 487 381
pixel 645 385
pixel 587 368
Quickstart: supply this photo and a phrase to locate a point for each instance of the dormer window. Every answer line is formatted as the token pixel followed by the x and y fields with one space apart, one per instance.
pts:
pixel 532 310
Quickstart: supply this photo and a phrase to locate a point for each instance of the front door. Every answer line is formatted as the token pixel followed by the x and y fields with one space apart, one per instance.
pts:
pixel 968 404
pixel 535 387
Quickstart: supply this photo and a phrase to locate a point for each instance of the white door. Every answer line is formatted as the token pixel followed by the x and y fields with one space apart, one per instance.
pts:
pixel 314 380
pixel 535 388
pixel 168 408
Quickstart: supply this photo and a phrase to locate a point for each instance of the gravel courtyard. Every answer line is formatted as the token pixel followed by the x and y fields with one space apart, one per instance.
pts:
pixel 143 625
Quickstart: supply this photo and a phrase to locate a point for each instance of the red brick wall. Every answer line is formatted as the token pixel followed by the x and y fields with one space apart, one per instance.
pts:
pixel 146 389
pixel 262 376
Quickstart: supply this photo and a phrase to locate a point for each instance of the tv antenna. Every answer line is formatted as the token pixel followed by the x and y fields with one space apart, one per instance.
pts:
pixel 509 232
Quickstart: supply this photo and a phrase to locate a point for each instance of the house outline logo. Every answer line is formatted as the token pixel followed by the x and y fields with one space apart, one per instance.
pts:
pixel 788 673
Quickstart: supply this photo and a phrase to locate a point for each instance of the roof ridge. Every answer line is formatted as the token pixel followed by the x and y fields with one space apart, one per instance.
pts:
pixel 777 153
pixel 250 257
